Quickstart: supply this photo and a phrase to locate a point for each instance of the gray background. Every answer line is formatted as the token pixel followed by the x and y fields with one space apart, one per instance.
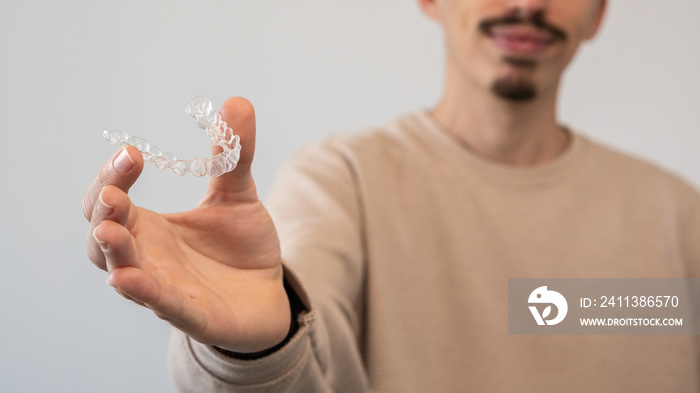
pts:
pixel 71 68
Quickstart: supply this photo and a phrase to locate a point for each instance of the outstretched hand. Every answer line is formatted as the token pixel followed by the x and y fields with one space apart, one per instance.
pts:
pixel 213 272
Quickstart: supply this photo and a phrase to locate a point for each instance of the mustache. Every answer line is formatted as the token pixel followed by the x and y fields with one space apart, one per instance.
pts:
pixel 518 17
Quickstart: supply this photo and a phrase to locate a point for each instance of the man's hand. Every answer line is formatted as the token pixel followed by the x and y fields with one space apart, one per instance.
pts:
pixel 213 272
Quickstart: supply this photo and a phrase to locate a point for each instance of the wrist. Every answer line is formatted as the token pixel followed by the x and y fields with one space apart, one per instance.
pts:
pixel 296 308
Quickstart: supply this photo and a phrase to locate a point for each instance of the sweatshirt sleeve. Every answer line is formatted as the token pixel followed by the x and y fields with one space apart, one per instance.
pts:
pixel 317 213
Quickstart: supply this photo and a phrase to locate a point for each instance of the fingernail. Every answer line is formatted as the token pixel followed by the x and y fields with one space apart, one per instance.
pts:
pixel 109 281
pixel 103 207
pixel 123 162
pixel 102 243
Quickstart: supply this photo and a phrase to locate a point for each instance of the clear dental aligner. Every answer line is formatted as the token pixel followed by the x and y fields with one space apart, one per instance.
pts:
pixel 207 118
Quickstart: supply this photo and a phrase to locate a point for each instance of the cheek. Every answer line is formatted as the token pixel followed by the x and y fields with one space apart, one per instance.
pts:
pixel 577 21
pixel 462 31
pixel 454 27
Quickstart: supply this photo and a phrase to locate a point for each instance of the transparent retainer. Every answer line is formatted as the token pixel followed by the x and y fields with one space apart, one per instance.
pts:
pixel 207 118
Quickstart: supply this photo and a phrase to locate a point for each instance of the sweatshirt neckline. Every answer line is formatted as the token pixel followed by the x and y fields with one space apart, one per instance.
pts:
pixel 540 175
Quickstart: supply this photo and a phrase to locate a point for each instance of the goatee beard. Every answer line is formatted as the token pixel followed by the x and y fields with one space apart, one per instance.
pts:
pixel 514 89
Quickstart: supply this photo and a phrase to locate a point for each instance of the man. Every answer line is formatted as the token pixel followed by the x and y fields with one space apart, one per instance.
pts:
pixel 397 242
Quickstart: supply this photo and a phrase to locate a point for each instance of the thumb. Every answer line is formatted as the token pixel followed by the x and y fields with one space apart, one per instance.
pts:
pixel 237 185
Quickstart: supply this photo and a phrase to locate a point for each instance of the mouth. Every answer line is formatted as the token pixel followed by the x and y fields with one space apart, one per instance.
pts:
pixel 521 34
pixel 522 43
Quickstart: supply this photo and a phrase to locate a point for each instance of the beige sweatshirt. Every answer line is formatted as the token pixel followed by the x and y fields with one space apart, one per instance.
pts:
pixel 403 242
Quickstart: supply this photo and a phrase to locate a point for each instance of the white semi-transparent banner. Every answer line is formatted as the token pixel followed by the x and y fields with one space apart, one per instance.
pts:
pixel 603 306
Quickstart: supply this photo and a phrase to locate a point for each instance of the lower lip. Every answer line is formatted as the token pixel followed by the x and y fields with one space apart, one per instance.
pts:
pixel 515 44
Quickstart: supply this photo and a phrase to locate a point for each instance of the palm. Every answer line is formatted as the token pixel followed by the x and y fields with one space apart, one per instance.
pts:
pixel 209 265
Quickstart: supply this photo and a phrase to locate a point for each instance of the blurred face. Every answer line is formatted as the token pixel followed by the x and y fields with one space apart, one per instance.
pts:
pixel 517 49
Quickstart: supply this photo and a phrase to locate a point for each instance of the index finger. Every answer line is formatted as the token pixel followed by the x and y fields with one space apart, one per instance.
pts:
pixel 121 170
